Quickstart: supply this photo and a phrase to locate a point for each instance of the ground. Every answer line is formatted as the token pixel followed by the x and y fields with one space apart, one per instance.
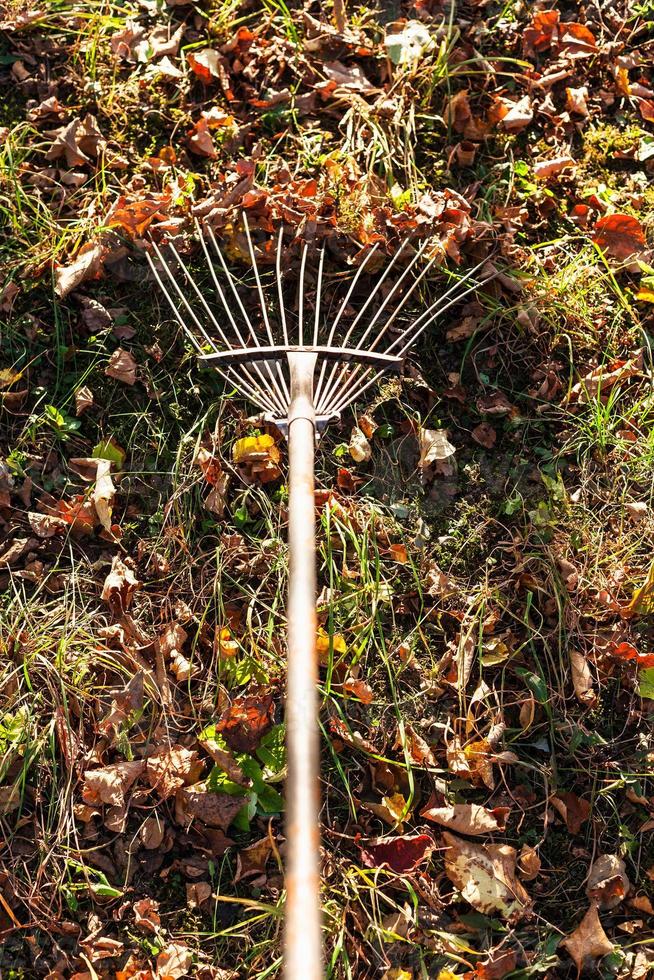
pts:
pixel 486 635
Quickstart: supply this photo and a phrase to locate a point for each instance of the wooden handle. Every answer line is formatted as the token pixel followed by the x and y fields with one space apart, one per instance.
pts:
pixel 302 934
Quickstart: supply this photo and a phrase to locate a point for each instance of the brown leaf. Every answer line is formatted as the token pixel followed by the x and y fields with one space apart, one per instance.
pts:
pixel 582 679
pixel 399 854
pixel 136 217
pixel 550 168
pixel 588 943
pixel 621 235
pixel 122 367
pixel 146 915
pixel 469 818
pixel 83 400
pixel 495 965
pixel 109 785
pixel 251 861
pixel 88 264
pixel 205 63
pixel 170 767
pixel 119 586
pixel 608 884
pixel 349 77
pixel 103 494
pixel 225 760
pixel 360 448
pixel 434 446
pixel 174 962
pixel 212 809
pixel 485 874
pixel 573 809
pixel 44 525
pixel 197 893
pixel 485 435
pixel 78 141
pixel 528 863
pixel 246 721
pixel 151 833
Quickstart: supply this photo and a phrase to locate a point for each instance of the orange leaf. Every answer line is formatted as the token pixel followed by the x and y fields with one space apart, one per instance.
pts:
pixel 621 235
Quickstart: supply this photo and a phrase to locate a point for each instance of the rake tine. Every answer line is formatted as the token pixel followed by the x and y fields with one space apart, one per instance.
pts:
pixel 280 292
pixel 253 334
pixel 337 319
pixel 318 296
pixel 181 295
pixel 300 307
pixel 176 312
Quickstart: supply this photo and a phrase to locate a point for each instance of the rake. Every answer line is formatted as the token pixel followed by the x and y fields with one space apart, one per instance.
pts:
pixel 302 364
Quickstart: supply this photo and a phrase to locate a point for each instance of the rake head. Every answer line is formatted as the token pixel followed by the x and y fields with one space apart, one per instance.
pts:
pixel 354 339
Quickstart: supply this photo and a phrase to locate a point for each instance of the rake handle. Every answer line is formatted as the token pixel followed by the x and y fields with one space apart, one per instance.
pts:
pixel 302 935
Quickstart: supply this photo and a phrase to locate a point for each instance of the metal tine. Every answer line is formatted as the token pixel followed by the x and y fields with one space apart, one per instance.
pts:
pixel 337 318
pixel 255 367
pixel 280 291
pixel 350 396
pixel 318 296
pixel 208 309
pixel 436 309
pixel 253 392
pixel 283 398
pixel 329 387
pixel 300 302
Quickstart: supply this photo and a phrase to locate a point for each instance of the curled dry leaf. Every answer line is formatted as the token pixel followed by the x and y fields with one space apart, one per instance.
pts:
pixel 109 784
pixel 45 525
pixel 244 723
pixel 151 833
pixel 170 767
pixel 588 943
pixel 83 400
pixel 582 679
pixel 174 962
pixel 399 854
pixel 485 435
pixel 146 915
pixel 360 448
pixel 122 367
pixel 119 586
pixel 469 818
pixel 528 863
pixel 608 884
pixel 103 494
pixel 87 265
pixel 251 861
pixel 550 168
pixel 434 447
pixel 485 875
pixel 258 457
pixel 197 893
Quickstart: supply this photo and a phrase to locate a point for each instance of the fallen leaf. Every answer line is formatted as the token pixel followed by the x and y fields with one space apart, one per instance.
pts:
pixel 206 64
pixel 109 784
pixel 173 962
pixel 103 493
pixel 119 586
pixel 485 435
pixel 485 875
pixel 77 141
pixel 349 77
pixel 434 446
pixel 550 168
pixel 621 235
pixel 642 602
pixel 607 885
pixel 169 767
pixel 146 915
pixel 83 400
pixel 588 943
pixel 468 818
pixel 360 448
pixel 45 525
pixel 246 720
pixel 528 863
pixel 122 367
pixel 88 264
pixel 582 679
pixel 518 116
pixel 151 833
pixel 259 456
pixel 251 861
pixel 212 809
pixel 399 854
pixel 197 893
pixel 572 808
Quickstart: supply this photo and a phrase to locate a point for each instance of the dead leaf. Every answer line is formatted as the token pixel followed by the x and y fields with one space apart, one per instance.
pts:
pixel 122 367
pixel 258 456
pixel 88 264
pixel 434 446
pixel 212 809
pixel 174 962
pixel 206 64
pixel 621 235
pixel 119 586
pixel 528 863
pixel 485 435
pixel 169 767
pixel 469 818
pixel 146 915
pixel 83 400
pixel 103 494
pixel 485 875
pixel 109 784
pixel 518 116
pixel 251 861
pixel 45 526
pixel 349 77
pixel 582 679
pixel 551 168
pixel 588 943
pixel 360 448
pixel 78 141
pixel 608 884
pixel 246 720
pixel 572 808
pixel 197 893
pixel 151 833
pixel 399 854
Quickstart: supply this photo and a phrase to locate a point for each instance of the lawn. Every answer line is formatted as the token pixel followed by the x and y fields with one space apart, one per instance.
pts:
pixel 485 519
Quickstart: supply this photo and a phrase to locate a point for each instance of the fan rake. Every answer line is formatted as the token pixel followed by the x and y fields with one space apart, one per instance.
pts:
pixel 302 364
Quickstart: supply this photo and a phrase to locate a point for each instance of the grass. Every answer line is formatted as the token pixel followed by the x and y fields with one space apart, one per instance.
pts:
pixel 450 603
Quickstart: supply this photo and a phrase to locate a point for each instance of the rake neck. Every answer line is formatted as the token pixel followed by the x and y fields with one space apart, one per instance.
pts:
pixel 302 941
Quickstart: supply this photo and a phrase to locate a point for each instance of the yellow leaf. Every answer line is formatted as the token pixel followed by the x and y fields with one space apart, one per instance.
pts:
pixel 322 644
pixel 227 646
pixel 253 447
pixel 645 294
pixel 643 599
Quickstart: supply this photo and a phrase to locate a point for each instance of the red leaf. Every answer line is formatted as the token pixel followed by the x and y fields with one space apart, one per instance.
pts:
pixel 399 854
pixel 625 651
pixel 245 722
pixel 620 235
